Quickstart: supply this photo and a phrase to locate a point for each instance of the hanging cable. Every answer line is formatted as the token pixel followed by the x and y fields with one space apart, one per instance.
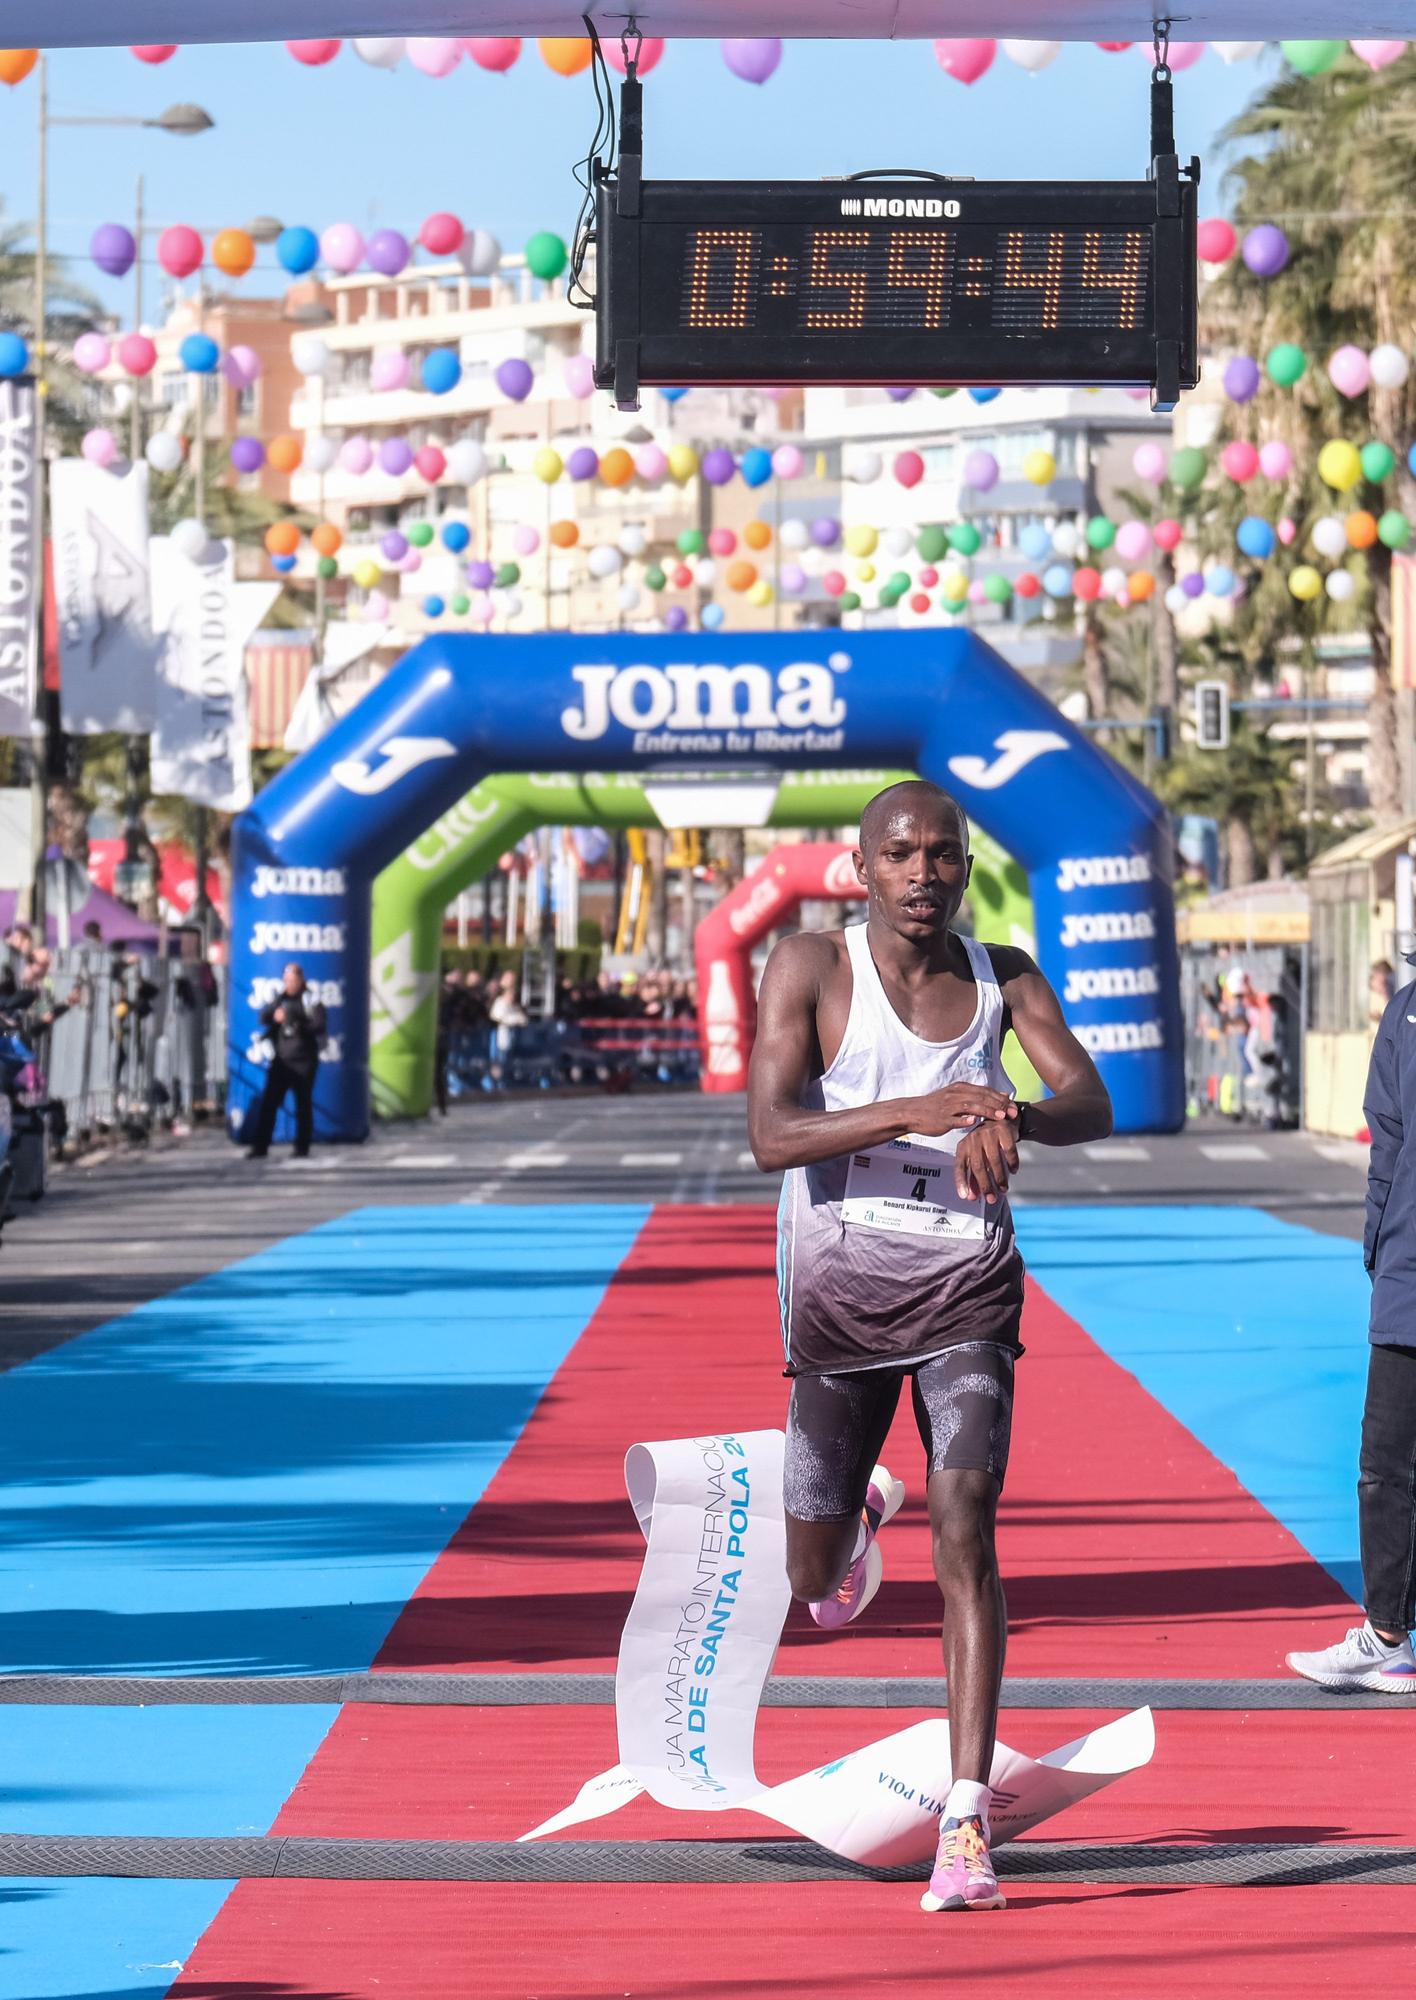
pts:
pixel 588 173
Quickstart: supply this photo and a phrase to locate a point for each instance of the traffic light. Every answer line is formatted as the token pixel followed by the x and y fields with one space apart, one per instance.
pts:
pixel 1211 715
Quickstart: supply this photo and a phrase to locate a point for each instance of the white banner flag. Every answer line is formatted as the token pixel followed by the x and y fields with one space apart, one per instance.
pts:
pixel 202 746
pixel 103 598
pixel 697 1648
pixel 20 557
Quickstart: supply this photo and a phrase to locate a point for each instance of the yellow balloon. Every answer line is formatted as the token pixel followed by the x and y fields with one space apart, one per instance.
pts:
pixel 865 573
pixel 1040 467
pixel 954 584
pixel 861 539
pixel 1339 465
pixel 367 573
pixel 548 465
pixel 683 462
pixel 760 593
pixel 1305 583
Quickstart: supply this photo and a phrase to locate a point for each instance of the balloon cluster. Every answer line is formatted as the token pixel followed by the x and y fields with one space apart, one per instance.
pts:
pixel 341 247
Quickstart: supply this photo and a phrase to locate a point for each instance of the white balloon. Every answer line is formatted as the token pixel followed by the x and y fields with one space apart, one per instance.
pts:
pixel 705 574
pixel 480 253
pixel 1389 365
pixel 1175 600
pixel 604 560
pixel 1031 56
pixel 1329 536
pixel 794 534
pixel 466 462
pixel 1340 585
pixel 163 451
pixel 864 466
pixel 508 602
pixel 1065 538
pixel 897 541
pixel 380 51
pixel 633 541
pixel 320 453
pixel 309 354
pixel 1233 52
pixel 628 596
pixel 190 538
pixel 1113 580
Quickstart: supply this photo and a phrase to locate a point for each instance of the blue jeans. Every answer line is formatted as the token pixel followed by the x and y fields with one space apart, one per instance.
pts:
pixel 1386 1489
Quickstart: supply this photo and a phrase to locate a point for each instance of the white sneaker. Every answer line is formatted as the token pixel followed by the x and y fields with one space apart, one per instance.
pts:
pixel 1359 1661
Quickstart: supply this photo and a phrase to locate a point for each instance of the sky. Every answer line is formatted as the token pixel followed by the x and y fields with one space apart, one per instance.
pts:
pixel 350 143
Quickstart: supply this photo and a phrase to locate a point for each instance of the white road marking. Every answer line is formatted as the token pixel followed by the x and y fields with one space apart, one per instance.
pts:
pixel 423 1160
pixel 651 1159
pixel 521 1163
pixel 1234 1149
pixel 1347 1152
pixel 484 1193
pixel 1121 1150
pixel 315 1163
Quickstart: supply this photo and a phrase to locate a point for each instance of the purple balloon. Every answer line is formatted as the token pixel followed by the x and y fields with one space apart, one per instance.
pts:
pixel 583 463
pixel 514 378
pixel 899 395
pixel 1242 378
pixel 675 618
pixel 394 545
pixel 826 532
pixel 113 249
pixel 1266 250
pixel 247 454
pixel 395 456
pixel 753 61
pixel 481 575
pixel 1193 584
pixel 387 252
pixel 717 466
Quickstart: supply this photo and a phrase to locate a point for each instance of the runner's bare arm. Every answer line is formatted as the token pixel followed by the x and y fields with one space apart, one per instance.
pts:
pixel 784 1134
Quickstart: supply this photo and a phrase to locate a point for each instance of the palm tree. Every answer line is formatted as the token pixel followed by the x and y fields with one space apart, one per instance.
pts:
pixel 1249 789
pixel 72 403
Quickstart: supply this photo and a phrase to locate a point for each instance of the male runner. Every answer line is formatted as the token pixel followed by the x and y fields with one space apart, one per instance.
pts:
pixel 877 1082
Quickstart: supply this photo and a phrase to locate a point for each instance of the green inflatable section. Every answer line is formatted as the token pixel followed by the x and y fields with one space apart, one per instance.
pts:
pixel 412 894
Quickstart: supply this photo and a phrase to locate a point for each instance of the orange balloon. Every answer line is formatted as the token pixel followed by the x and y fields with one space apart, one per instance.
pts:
pixel 1140 585
pixel 1361 530
pixel 326 539
pixel 741 575
pixel 283 453
pixel 564 534
pixel 282 538
pixel 757 535
pixel 567 55
pixel 233 252
pixel 16 64
pixel 616 466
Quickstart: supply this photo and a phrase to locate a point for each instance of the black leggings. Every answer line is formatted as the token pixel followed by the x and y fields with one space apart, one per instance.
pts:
pixel 1386 1489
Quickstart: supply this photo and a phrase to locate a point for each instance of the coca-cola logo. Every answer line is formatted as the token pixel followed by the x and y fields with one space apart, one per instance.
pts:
pixel 840 877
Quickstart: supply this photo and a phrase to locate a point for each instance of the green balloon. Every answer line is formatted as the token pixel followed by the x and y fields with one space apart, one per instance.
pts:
pixel 654 578
pixel 691 542
pixel 849 600
pixel 420 534
pixel 328 567
pixel 507 575
pixel 1187 469
pixel 1312 58
pixel 898 582
pixel 943 394
pixel 1101 533
pixel 997 589
pixel 965 539
pixel 546 254
pixel 461 604
pixel 930 544
pixel 955 605
pixel 1286 364
pixel 1394 530
pixel 1377 461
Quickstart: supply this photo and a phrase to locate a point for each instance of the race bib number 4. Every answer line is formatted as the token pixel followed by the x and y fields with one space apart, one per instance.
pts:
pixel 908 1186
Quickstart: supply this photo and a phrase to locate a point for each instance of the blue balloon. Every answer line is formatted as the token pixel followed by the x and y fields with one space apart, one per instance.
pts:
pixel 298 250
pixel 1034 542
pixel 282 564
pixel 1219 581
pixel 433 607
pixel 756 466
pixel 1057 580
pixel 441 371
pixel 1411 458
pixel 1255 537
pixel 673 395
pixel 711 617
pixel 984 395
pixel 455 536
pixel 14 355
pixel 199 353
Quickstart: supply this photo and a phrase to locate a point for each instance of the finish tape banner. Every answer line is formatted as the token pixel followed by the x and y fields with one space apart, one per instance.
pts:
pixel 699 1644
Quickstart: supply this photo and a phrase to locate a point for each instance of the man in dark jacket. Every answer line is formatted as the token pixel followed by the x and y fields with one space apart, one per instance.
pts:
pixel 1377 1654
pixel 297 1031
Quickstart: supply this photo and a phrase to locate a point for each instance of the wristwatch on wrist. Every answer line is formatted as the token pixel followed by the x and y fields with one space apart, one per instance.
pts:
pixel 1024 1113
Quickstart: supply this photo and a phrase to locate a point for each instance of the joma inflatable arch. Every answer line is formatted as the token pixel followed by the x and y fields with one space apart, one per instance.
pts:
pixel 1095 844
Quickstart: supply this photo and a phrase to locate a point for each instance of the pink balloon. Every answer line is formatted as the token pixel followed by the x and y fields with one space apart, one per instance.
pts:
pixel 1376 55
pixel 721 541
pixel 579 373
pixel 1133 541
pixel 312 54
pixel 753 61
pixel 1275 459
pixel 525 540
pixel 342 247
pixel 1287 532
pixel 977 593
pixel 1349 371
pixel 91 353
pixel 1216 240
pixel 356 454
pixel 376 607
pixel 241 366
pixel 431 463
pixel 442 234
pixel 787 462
pixel 908 468
pixel 136 354
pixel 1239 460
pixel 1167 534
pixel 179 250
pixel 390 369
pixel 494 52
pixel 651 464
pixel 966 61
pixel 1150 463
pixel 650 50
pixel 410 561
pixel 434 55
pixel 99 447
pixel 159 52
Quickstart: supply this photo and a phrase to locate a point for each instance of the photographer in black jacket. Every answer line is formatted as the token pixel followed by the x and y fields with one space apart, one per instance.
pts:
pixel 297 1031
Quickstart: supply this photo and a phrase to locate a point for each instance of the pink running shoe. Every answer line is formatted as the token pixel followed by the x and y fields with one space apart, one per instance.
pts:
pixel 883 1499
pixel 963 1877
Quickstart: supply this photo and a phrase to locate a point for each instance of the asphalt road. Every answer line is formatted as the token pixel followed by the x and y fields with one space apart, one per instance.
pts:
pixel 133 1225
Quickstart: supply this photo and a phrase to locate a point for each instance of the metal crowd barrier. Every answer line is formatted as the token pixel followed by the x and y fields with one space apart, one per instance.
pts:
pixel 613 1052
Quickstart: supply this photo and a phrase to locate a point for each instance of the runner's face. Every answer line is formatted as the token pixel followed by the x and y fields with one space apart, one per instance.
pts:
pixel 918 870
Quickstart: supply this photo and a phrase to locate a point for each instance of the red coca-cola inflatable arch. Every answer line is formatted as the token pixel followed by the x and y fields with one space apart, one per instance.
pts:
pixel 794 873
